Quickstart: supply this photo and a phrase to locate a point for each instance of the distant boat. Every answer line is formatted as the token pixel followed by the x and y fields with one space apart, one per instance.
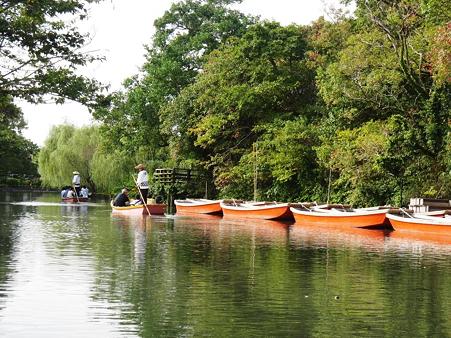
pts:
pixel 198 206
pixel 258 210
pixel 338 215
pixel 420 223
pixel 74 199
pixel 140 209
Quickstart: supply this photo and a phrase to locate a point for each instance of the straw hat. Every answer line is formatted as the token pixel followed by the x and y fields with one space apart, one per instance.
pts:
pixel 140 166
pixel 76 173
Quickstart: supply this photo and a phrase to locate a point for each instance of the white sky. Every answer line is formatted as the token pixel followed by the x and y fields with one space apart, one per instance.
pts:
pixel 121 28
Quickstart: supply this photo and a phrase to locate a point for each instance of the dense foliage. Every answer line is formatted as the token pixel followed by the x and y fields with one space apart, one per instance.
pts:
pixel 68 149
pixel 354 111
pixel 40 51
pixel 16 152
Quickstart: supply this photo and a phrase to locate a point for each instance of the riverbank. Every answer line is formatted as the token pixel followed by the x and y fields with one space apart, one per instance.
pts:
pixel 25 188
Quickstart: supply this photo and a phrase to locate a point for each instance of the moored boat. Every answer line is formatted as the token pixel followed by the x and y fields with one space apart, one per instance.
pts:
pixel 343 217
pixel 417 223
pixel 140 209
pixel 74 199
pixel 258 210
pixel 198 206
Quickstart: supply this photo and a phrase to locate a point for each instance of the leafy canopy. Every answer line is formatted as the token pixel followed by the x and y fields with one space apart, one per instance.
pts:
pixel 41 48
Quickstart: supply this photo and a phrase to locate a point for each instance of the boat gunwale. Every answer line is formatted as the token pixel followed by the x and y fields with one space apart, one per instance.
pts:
pixel 251 207
pixel 75 199
pixel 195 203
pixel 130 207
pixel 422 221
pixel 338 214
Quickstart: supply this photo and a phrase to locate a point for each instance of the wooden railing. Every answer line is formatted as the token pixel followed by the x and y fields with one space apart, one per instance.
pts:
pixel 175 175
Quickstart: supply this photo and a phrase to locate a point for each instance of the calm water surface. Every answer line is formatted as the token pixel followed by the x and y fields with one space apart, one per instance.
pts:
pixel 78 271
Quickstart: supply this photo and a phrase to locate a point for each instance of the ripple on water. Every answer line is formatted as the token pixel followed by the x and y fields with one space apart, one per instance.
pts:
pixel 83 271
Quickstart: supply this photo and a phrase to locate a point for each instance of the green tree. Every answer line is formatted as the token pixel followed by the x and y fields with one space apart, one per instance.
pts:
pixel 246 85
pixel 40 51
pixel 397 79
pixel 16 152
pixel 68 148
pixel 41 48
pixel 184 36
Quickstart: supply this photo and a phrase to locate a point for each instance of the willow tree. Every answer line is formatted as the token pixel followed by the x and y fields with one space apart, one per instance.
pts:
pixel 68 148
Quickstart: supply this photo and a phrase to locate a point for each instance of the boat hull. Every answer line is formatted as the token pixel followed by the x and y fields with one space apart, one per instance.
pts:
pixel 340 219
pixel 272 212
pixel 198 207
pixel 440 226
pixel 74 199
pixel 154 209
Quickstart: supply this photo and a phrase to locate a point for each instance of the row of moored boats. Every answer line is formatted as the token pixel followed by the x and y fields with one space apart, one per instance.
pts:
pixel 326 214
pixel 306 213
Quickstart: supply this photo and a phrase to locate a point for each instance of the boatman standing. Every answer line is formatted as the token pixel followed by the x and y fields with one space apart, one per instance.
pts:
pixel 76 182
pixel 143 181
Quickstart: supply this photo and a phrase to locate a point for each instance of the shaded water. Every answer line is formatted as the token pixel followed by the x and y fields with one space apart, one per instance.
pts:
pixel 76 270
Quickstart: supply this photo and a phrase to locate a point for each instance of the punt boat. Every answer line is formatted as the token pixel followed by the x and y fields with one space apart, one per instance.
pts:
pixel 198 206
pixel 338 215
pixel 420 223
pixel 258 210
pixel 140 209
pixel 74 199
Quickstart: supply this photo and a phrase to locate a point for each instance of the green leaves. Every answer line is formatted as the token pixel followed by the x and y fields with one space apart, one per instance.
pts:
pixel 68 148
pixel 39 52
pixel 362 100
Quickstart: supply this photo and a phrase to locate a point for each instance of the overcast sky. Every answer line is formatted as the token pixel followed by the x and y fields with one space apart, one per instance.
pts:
pixel 121 28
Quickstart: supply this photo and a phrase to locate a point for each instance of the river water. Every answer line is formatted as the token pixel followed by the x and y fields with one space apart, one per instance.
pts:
pixel 78 271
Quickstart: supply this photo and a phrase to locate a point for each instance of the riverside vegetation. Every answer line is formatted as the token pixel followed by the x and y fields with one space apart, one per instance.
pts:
pixel 360 102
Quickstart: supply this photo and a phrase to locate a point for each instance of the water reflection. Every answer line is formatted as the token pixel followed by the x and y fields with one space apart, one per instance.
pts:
pixel 80 269
pixel 338 237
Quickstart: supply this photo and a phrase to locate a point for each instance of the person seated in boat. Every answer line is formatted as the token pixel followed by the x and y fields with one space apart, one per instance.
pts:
pixel 64 191
pixel 137 200
pixel 70 193
pixel 122 200
pixel 84 192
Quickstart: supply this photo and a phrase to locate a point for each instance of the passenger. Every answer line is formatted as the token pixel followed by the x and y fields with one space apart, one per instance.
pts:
pixel 64 192
pixel 122 200
pixel 70 193
pixel 84 192
pixel 143 181
pixel 137 200
pixel 76 182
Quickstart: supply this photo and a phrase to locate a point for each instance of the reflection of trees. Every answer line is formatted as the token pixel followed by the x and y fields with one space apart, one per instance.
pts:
pixel 208 276
pixel 10 222
pixel 8 228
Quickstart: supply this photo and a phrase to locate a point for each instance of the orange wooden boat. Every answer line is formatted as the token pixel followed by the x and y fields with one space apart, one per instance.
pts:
pixel 140 209
pixel 418 223
pixel 198 206
pixel 354 218
pixel 259 210
pixel 74 199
